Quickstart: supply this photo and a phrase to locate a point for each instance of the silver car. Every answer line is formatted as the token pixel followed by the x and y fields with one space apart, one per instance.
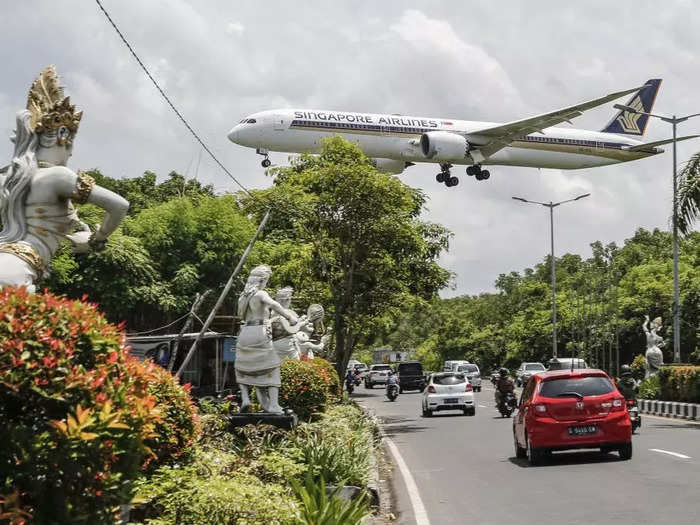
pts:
pixel 473 374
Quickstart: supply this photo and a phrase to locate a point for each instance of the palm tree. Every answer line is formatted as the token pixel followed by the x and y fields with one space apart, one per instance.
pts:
pixel 689 194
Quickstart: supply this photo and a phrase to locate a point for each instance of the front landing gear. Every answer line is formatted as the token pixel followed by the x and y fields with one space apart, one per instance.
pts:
pixel 477 172
pixel 445 176
pixel 266 163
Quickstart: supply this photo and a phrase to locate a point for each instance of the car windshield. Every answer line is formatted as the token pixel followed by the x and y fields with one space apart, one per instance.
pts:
pixel 468 368
pixel 449 379
pixel 413 368
pixel 534 366
pixel 576 386
pixel 381 367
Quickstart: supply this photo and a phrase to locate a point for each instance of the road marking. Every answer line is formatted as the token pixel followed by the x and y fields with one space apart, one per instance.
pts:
pixel 416 502
pixel 676 454
pixel 482 406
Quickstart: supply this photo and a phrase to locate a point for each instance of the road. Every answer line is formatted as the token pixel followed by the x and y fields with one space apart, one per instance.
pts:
pixel 465 471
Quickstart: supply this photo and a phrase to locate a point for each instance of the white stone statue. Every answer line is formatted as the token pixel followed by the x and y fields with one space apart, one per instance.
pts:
pixel 257 362
pixel 283 338
pixel 313 322
pixel 37 191
pixel 654 356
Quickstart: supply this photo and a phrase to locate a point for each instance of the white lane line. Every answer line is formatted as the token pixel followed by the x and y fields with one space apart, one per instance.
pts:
pixel 418 509
pixel 482 406
pixel 676 454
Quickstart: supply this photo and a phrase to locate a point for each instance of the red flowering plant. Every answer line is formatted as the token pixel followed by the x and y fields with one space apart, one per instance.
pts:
pixel 304 388
pixel 177 429
pixel 76 415
pixel 329 374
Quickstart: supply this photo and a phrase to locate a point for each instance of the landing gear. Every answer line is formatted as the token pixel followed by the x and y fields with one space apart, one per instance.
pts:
pixel 266 163
pixel 477 172
pixel 446 177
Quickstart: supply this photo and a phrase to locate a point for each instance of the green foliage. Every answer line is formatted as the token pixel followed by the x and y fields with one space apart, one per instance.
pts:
pixel 680 383
pixel 305 387
pixel 638 366
pixel 649 388
pixel 319 508
pixel 76 417
pixel 689 194
pixel 337 448
pixel 186 496
pixel 330 376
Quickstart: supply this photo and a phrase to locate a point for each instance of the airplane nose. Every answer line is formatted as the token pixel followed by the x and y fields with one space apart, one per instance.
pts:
pixel 233 135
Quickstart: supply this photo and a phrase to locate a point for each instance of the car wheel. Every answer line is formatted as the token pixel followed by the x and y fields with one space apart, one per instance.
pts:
pixel 534 455
pixel 625 451
pixel 520 452
pixel 472 411
pixel 421 389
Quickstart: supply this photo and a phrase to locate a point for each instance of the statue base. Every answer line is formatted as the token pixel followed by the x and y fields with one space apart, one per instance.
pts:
pixel 286 421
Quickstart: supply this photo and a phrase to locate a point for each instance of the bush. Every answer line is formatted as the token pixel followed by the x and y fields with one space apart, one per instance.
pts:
pixel 639 367
pixel 319 508
pixel 190 495
pixel 680 383
pixel 649 388
pixel 75 412
pixel 329 375
pixel 174 435
pixel 304 388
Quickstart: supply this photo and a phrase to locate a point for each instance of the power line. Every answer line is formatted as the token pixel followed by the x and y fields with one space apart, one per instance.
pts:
pixel 172 106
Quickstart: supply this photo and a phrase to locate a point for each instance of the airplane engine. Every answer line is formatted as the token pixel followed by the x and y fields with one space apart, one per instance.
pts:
pixel 444 146
pixel 391 166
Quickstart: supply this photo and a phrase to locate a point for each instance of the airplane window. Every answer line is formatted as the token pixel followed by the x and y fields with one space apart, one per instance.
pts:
pixel 251 121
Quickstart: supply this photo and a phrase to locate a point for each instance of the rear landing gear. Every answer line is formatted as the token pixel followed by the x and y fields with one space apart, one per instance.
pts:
pixel 445 176
pixel 477 172
pixel 266 163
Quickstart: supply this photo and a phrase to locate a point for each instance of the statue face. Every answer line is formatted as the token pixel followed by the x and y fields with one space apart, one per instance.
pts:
pixel 56 154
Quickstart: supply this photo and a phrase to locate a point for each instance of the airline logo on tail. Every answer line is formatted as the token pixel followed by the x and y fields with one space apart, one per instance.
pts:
pixel 629 123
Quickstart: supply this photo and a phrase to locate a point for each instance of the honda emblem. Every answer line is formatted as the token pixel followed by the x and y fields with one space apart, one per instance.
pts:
pixel 579 405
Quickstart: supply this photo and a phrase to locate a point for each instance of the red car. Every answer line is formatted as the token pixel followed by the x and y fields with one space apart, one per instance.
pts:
pixel 567 409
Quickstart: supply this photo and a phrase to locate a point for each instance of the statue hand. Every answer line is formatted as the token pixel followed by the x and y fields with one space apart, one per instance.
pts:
pixel 80 241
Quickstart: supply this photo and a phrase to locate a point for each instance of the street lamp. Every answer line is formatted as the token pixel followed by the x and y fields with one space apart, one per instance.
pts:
pixel 551 206
pixel 676 296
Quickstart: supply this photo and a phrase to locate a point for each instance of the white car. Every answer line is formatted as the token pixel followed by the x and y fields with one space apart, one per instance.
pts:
pixel 448 391
pixel 473 374
pixel 377 375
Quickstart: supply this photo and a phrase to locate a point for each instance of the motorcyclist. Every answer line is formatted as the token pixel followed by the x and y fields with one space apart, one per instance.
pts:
pixel 626 384
pixel 503 385
pixel 349 378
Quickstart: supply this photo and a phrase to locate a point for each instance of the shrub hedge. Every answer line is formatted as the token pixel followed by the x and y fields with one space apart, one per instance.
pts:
pixel 639 367
pixel 305 387
pixel 680 383
pixel 79 416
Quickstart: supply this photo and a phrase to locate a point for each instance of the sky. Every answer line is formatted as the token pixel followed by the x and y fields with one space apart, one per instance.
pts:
pixel 220 60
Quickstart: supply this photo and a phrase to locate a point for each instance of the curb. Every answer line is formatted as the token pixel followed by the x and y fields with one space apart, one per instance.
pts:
pixel 670 409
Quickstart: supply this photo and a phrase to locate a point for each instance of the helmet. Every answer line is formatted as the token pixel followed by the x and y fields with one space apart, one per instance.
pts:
pixel 503 372
pixel 625 369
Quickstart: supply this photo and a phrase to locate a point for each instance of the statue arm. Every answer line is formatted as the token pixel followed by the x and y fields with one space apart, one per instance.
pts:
pixel 645 325
pixel 277 307
pixel 115 207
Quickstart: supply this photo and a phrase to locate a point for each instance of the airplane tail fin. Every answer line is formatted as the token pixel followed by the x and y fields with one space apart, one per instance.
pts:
pixel 628 123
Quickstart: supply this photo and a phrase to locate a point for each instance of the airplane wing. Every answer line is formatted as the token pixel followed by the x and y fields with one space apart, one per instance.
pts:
pixel 501 136
pixel 651 145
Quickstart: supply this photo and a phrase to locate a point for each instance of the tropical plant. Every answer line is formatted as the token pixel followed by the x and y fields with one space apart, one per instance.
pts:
pixel 305 387
pixel 76 416
pixel 318 507
pixel 689 194
pixel 649 388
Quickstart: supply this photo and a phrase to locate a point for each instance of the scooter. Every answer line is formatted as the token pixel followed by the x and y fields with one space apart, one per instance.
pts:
pixel 633 411
pixel 507 405
pixel 350 386
pixel 392 392
pixel 358 379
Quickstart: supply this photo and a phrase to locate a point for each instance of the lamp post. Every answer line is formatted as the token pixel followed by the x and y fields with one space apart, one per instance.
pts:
pixel 674 121
pixel 551 206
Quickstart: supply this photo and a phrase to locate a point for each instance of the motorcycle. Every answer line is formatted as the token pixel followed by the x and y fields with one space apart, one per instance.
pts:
pixel 350 386
pixel 392 392
pixel 358 379
pixel 633 411
pixel 507 404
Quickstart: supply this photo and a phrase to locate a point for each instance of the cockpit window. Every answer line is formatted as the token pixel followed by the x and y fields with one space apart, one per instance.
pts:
pixel 251 121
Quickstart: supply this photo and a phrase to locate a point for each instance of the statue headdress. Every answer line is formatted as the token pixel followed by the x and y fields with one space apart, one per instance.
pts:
pixel 50 109
pixel 315 314
pixel 252 286
pixel 284 293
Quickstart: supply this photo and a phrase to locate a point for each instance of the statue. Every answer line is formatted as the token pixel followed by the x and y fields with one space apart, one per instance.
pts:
pixel 283 338
pixel 257 362
pixel 37 191
pixel 313 323
pixel 654 355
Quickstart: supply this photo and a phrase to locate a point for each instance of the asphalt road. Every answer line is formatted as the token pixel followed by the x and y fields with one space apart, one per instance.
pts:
pixel 466 471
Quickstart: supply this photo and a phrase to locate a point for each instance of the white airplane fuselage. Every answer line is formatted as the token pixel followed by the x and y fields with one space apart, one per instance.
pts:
pixel 398 138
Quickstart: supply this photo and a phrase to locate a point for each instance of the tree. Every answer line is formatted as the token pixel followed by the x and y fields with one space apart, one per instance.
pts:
pixel 689 194
pixel 364 234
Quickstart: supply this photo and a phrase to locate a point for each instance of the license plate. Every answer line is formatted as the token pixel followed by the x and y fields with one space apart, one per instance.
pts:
pixel 583 430
pixel 451 401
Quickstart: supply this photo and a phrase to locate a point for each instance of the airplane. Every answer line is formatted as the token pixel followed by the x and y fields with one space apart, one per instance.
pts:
pixel 395 142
